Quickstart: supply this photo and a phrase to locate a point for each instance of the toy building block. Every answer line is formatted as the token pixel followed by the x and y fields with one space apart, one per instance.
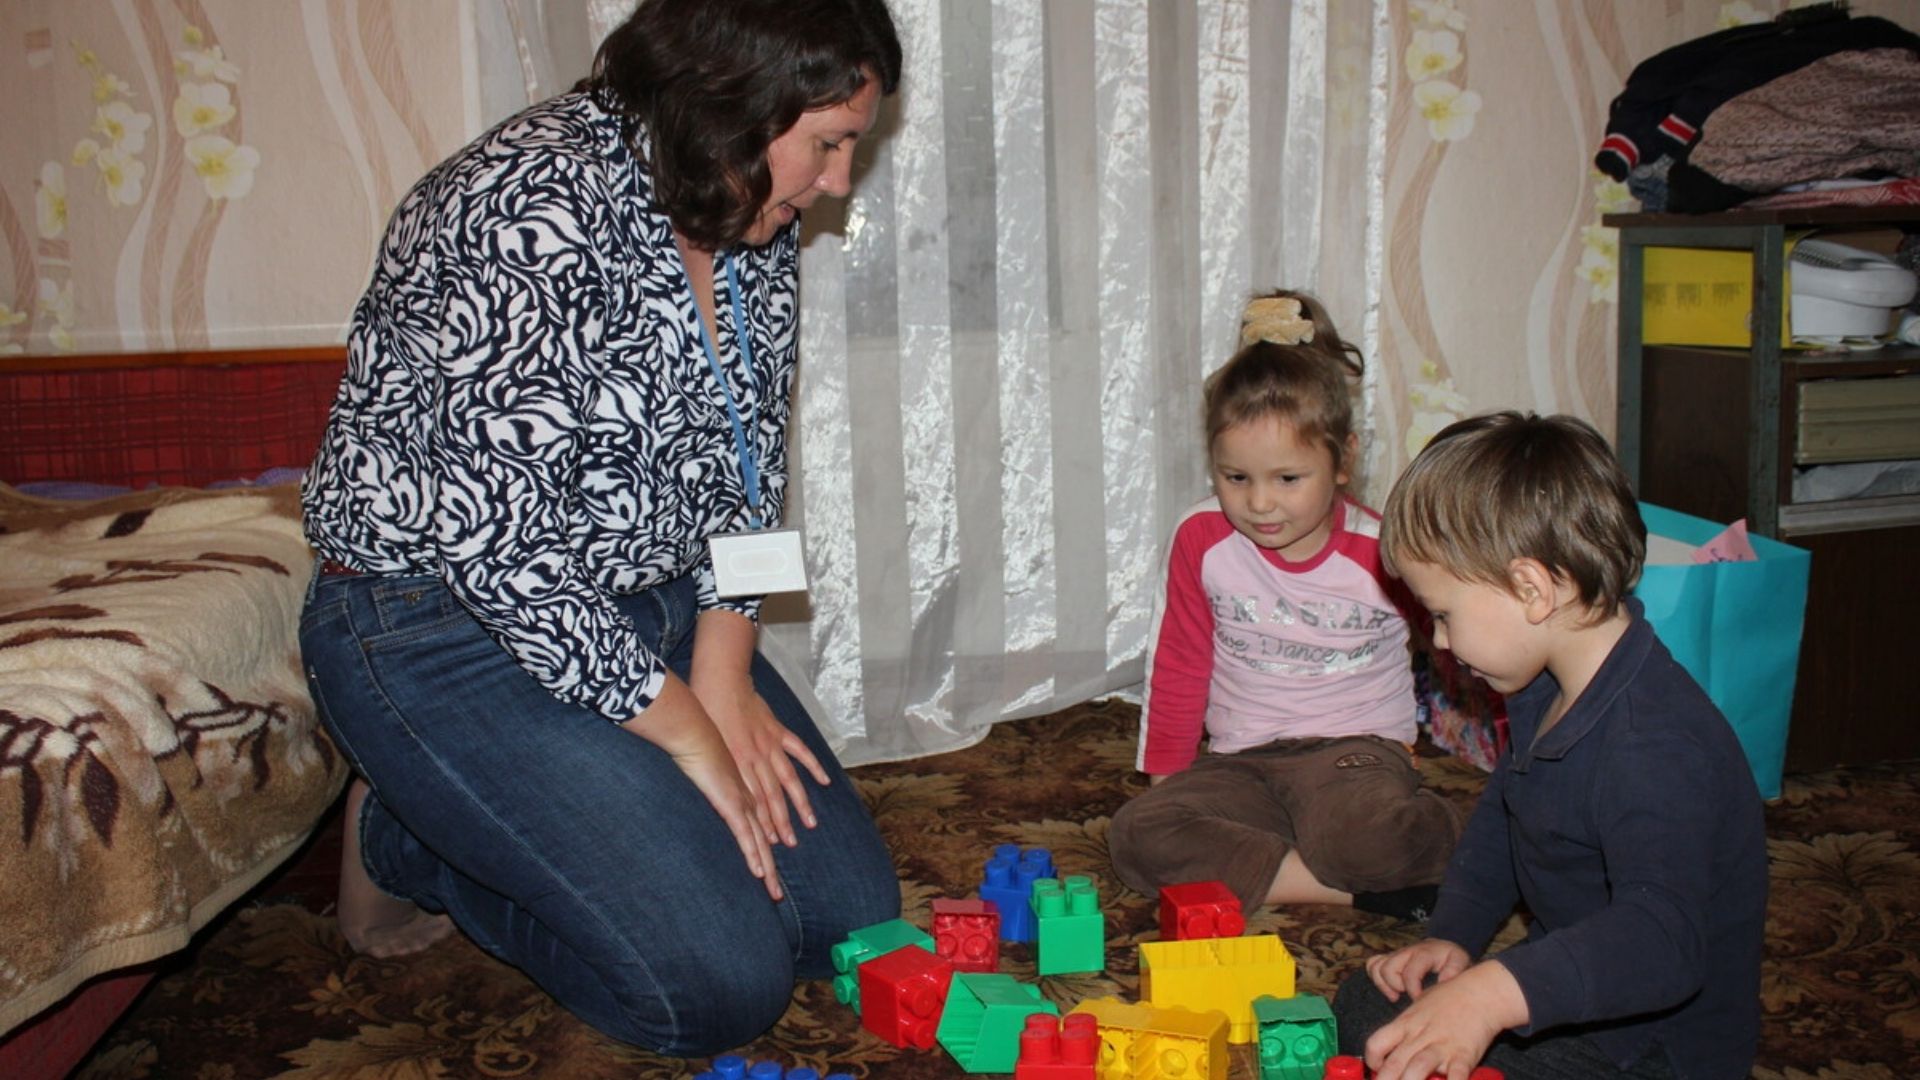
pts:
pixel 1199 909
pixel 1007 884
pixel 902 993
pixel 1144 1042
pixel 1072 932
pixel 735 1067
pixel 967 932
pixel 1217 973
pixel 1344 1067
pixel 1053 1048
pixel 983 1019
pixel 864 944
pixel 1296 1036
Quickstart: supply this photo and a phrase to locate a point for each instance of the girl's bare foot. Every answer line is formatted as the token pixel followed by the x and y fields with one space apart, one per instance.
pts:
pixel 374 923
pixel 1295 884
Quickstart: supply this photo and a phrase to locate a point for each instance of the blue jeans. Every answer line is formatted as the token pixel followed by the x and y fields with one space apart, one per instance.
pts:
pixel 567 846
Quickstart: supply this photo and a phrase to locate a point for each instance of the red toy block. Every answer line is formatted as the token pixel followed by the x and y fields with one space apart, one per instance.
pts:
pixel 1352 1068
pixel 967 932
pixel 1058 1048
pixel 901 995
pixel 1199 909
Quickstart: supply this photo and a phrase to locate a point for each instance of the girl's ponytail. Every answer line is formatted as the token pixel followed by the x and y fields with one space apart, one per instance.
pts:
pixel 1292 364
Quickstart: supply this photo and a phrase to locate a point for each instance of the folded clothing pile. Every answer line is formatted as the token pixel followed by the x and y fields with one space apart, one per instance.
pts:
pixel 1813 96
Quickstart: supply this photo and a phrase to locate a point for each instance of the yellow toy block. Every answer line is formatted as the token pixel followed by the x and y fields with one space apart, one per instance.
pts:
pixel 1217 973
pixel 1146 1042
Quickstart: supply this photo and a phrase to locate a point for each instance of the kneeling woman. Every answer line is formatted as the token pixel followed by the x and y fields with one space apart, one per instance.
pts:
pixel 570 370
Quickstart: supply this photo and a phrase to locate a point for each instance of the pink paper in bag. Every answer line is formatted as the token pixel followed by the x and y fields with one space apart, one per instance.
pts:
pixel 1731 545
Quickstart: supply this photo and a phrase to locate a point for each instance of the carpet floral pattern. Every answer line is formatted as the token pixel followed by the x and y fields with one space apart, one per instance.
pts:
pixel 275 992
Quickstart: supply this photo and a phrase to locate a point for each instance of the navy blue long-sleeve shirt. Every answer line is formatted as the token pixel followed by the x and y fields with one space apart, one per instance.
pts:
pixel 1633 832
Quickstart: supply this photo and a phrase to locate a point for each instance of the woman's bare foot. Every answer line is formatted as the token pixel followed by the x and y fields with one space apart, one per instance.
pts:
pixel 374 923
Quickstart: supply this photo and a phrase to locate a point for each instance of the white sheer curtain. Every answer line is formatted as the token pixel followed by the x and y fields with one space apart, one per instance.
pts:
pixel 1006 327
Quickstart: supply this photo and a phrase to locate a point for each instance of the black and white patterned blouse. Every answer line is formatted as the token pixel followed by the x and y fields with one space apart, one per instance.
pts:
pixel 528 410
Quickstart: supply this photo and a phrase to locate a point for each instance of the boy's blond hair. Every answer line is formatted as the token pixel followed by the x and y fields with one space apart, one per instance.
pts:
pixel 1491 489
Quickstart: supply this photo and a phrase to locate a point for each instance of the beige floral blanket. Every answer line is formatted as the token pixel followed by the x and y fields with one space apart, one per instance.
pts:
pixel 158 750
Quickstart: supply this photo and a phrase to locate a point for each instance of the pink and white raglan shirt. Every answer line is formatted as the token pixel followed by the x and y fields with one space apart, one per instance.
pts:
pixel 1254 648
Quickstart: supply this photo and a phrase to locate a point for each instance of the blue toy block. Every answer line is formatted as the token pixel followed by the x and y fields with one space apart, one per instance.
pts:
pixel 1008 885
pixel 735 1067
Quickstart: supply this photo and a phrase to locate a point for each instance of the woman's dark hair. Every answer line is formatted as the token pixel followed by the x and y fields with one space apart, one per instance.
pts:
pixel 714 82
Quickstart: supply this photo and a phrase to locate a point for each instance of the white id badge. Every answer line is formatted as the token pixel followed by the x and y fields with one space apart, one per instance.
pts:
pixel 759 562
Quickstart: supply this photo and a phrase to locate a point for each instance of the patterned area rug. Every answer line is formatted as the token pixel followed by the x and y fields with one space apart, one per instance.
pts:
pixel 276 993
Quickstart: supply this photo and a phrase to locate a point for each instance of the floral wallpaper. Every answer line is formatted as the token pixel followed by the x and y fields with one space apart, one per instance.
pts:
pixel 115 149
pixel 208 173
pixel 1499 282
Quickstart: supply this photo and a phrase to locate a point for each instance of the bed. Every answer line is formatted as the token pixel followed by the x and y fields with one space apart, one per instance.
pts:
pixel 159 755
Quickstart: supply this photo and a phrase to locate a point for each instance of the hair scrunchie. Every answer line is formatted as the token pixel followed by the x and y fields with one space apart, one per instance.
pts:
pixel 1276 319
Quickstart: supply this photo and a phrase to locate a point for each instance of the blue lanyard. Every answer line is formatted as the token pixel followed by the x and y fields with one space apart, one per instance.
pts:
pixel 749 463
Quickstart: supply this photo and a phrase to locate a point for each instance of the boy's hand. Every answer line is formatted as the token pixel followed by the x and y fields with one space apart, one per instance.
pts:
pixel 1448 1028
pixel 1405 971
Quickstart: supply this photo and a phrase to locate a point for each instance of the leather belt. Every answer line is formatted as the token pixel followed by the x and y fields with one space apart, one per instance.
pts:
pixel 329 568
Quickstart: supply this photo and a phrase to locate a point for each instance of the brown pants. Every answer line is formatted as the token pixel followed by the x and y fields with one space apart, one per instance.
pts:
pixel 1353 807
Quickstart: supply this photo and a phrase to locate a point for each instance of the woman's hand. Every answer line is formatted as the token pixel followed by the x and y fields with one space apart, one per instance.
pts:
pixel 1405 971
pixel 677 724
pixel 763 749
pixel 1447 1029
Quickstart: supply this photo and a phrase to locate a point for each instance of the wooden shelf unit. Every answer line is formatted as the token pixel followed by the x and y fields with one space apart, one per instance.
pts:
pixel 1697 427
pixel 1712 431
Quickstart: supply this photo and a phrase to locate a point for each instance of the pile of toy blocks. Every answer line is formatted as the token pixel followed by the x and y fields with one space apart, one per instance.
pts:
pixel 1204 963
pixel 915 989
pixel 1203 986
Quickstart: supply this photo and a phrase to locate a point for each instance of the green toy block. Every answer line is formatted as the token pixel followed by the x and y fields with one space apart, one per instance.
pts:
pixel 1297 1036
pixel 866 943
pixel 984 1017
pixel 1072 933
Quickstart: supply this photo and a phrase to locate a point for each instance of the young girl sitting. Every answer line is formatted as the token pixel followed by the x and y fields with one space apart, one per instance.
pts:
pixel 1279 634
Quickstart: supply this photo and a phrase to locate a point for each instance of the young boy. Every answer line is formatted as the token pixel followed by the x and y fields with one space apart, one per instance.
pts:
pixel 1623 816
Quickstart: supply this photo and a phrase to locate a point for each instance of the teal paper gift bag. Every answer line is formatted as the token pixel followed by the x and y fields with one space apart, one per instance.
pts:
pixel 1735 627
